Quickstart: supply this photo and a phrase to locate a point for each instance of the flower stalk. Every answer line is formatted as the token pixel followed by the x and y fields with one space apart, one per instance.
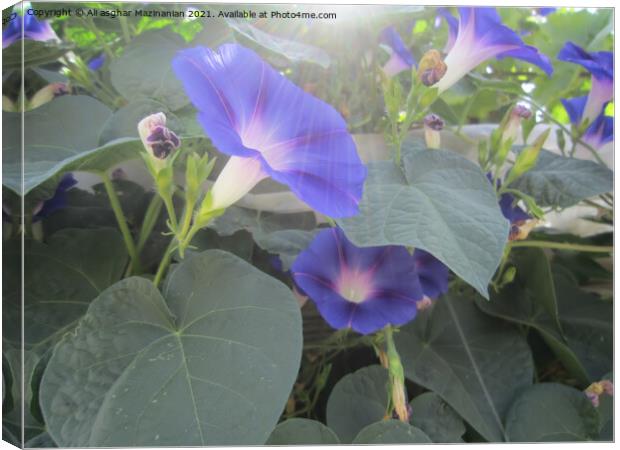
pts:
pixel 398 393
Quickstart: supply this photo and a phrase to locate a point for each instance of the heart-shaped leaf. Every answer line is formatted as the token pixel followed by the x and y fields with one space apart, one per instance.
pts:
pixel 358 399
pixel 436 418
pixel 391 432
pixel 217 350
pixel 561 181
pixel 441 203
pixel 473 362
pixel 302 432
pixel 62 277
pixel 551 412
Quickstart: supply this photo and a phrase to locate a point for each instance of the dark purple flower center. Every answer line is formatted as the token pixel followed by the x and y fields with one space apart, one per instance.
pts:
pixel 434 122
pixel 163 142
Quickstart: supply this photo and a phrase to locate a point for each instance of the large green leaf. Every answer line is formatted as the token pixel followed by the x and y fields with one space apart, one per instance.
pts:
pixel 551 412
pixel 62 277
pixel 476 364
pixel 391 432
pixel 302 432
pixel 436 418
pixel 560 181
pixel 441 203
pixel 218 350
pixel 358 399
pixel 291 50
pixel 576 325
pixel 144 69
pixel 287 244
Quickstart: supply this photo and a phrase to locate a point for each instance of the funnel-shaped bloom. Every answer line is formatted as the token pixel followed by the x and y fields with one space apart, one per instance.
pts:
pixel 601 66
pixel 511 210
pixel 599 132
pixel 400 57
pixel 270 127
pixel 481 36
pixel 32 29
pixel 360 288
pixel 453 26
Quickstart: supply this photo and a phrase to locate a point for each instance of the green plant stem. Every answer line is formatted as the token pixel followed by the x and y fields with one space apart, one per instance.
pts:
pixel 90 23
pixel 165 262
pixel 563 246
pixel 396 376
pixel 122 223
pixel 172 215
pixel 125 29
pixel 150 217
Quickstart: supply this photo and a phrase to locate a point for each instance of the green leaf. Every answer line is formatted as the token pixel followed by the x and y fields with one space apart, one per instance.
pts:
pixel 551 412
pixel 62 277
pixel 217 350
pixel 239 244
pixel 587 322
pixel 560 181
pixel 436 418
pixel 358 399
pixel 606 414
pixel 302 432
pixel 291 50
pixel 391 432
pixel 36 53
pixel 574 324
pixel 144 69
pixel 43 440
pixel 287 244
pixel 442 203
pixel 474 363
pixel 14 417
pixel 258 222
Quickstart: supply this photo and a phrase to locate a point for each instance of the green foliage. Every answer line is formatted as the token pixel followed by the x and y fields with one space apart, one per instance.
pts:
pixel 302 432
pixel 391 432
pixel 439 202
pixel 436 418
pixel 475 364
pixel 185 364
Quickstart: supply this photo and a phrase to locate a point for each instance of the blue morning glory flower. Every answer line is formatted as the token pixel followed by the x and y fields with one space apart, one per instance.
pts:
pixel 32 29
pixel 97 62
pixel 271 128
pixel 453 26
pixel 58 200
pixel 433 274
pixel 601 66
pixel 600 131
pixel 481 36
pixel 400 57
pixel 545 11
pixel 360 288
pixel 510 210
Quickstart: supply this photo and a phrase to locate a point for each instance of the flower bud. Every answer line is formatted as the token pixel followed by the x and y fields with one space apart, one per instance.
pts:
pixel 511 129
pixel 432 68
pixel 520 230
pixel 433 124
pixel 399 397
pixel 48 93
pixel 595 390
pixel 157 139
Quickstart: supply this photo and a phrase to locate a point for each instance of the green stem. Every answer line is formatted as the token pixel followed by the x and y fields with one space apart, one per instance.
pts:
pixel 165 262
pixel 563 246
pixel 150 218
pixel 122 223
pixel 125 29
pixel 90 23
pixel 396 376
pixel 172 215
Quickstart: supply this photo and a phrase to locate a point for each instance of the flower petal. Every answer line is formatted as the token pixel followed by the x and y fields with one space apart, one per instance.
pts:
pixel 599 64
pixel 248 109
pixel 433 274
pixel 574 107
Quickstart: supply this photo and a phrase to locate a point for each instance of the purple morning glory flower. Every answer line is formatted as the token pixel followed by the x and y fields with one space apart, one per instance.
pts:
pixel 599 132
pixel 453 26
pixel 510 210
pixel 545 11
pixel 58 200
pixel 400 57
pixel 433 274
pixel 270 127
pixel 481 36
pixel 32 29
pixel 360 288
pixel 601 66
pixel 97 62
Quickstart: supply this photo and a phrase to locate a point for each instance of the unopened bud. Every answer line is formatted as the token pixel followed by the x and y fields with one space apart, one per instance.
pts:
pixel 433 124
pixel 511 129
pixel 157 139
pixel 399 398
pixel 521 230
pixel 432 68
pixel 595 390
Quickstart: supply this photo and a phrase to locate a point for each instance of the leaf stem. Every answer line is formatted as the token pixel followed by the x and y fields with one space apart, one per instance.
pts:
pixel 122 223
pixel 563 246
